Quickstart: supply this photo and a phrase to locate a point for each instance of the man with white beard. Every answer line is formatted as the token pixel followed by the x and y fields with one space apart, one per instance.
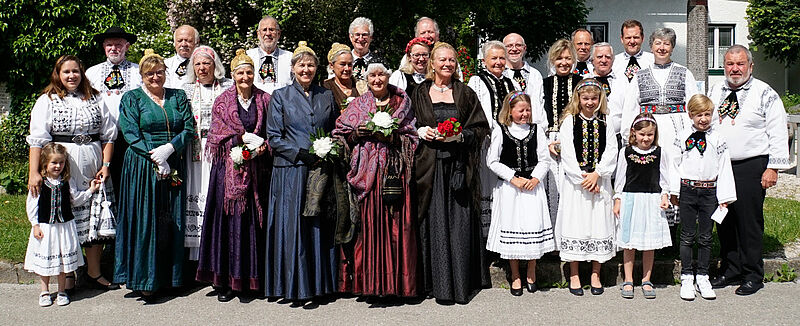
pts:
pixel 185 39
pixel 116 75
pixel 751 116
pixel 273 64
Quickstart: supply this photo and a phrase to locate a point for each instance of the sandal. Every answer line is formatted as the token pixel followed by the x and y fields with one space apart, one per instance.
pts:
pixel 627 294
pixel 648 294
pixel 95 283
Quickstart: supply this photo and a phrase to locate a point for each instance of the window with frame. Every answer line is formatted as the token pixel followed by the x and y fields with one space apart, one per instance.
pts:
pixel 599 31
pixel 720 38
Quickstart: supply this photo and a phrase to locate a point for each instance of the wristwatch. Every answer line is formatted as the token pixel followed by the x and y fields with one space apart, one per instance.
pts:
pixel 107 164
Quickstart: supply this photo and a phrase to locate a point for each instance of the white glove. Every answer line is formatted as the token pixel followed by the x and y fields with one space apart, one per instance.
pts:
pixel 252 140
pixel 163 169
pixel 161 153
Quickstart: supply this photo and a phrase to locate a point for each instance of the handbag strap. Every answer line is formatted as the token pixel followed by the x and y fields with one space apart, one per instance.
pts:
pixel 103 190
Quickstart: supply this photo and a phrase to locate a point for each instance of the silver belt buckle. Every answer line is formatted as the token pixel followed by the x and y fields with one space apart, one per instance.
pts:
pixel 81 139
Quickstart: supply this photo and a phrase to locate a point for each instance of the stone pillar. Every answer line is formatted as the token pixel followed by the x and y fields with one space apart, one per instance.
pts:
pixel 697 40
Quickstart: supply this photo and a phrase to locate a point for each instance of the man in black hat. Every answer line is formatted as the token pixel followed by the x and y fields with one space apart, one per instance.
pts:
pixel 116 75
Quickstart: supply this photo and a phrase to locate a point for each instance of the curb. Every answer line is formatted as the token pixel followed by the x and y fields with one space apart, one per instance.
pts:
pixel 548 271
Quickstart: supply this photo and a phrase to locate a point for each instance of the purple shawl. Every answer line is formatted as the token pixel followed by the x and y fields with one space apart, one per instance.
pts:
pixel 368 160
pixel 225 131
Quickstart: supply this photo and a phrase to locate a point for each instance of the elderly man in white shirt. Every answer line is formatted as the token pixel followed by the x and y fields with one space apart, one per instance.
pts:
pixel 185 39
pixel 360 32
pixel 602 55
pixel 273 64
pixel 116 75
pixel 751 116
pixel 633 59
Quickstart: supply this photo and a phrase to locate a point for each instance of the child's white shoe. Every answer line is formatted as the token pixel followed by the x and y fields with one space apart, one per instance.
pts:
pixel 687 287
pixel 45 300
pixel 704 287
pixel 62 299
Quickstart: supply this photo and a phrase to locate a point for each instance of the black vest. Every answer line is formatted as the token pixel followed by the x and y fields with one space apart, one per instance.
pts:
pixel 411 84
pixel 590 162
pixel 519 154
pixel 643 172
pixel 45 195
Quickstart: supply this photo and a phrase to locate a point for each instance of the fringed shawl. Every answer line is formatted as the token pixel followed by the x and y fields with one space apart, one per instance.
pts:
pixel 226 130
pixel 369 156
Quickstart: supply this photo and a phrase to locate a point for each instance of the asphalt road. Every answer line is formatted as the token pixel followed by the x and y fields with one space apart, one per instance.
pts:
pixel 777 304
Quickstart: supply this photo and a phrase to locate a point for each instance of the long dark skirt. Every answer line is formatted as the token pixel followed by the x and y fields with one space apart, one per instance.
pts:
pixel 300 258
pixel 231 250
pixel 454 261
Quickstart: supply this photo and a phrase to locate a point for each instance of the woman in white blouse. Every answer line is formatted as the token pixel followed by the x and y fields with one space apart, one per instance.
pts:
pixel 70 113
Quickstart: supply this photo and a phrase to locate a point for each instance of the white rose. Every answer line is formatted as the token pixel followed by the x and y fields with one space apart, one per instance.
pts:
pixel 322 146
pixel 382 119
pixel 236 155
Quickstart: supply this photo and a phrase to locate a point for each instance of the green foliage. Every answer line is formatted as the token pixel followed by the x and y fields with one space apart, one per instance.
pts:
pixel 775 29
pixel 14 228
pixel 14 177
pixel 785 274
pixel 790 100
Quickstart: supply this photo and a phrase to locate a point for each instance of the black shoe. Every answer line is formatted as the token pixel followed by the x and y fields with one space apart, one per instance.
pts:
pixel 723 281
pixel 225 295
pixel 749 287
pixel 597 291
pixel 150 297
pixel 531 287
pixel 516 292
pixel 578 291
pixel 94 282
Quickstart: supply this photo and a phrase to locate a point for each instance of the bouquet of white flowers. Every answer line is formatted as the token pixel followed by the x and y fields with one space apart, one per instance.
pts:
pixel 382 122
pixel 240 154
pixel 324 146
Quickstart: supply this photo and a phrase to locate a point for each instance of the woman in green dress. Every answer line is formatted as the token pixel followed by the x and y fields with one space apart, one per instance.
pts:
pixel 157 123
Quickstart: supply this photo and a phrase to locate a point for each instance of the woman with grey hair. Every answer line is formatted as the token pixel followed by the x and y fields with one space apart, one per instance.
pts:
pixel 383 257
pixel 662 89
pixel 205 82
pixel 300 260
pixel 491 86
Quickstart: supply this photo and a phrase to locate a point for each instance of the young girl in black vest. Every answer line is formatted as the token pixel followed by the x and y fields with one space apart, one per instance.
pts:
pixel 53 247
pixel 641 196
pixel 585 226
pixel 518 155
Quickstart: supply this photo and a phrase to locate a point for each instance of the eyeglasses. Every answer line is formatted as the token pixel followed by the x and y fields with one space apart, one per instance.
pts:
pixel 160 73
pixel 420 55
pixel 517 45
pixel 359 35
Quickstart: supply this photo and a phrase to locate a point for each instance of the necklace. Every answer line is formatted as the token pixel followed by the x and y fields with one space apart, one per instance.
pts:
pixel 441 89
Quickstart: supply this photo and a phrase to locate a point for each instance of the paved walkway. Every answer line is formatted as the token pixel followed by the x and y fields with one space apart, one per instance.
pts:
pixel 777 304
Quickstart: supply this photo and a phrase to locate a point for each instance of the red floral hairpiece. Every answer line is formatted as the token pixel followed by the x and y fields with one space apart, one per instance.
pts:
pixel 418 40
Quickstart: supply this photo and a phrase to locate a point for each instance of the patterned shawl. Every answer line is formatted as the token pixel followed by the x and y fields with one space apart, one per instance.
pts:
pixel 369 156
pixel 226 129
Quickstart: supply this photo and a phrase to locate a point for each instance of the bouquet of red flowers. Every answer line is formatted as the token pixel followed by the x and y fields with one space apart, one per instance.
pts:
pixel 449 128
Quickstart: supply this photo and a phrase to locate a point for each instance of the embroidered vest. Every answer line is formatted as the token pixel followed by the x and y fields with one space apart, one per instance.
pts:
pixel 519 154
pixel 45 206
pixel 672 93
pixel 589 139
pixel 642 174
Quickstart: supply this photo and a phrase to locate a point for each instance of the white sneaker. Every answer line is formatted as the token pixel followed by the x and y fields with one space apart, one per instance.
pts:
pixel 62 299
pixel 45 300
pixel 687 287
pixel 704 287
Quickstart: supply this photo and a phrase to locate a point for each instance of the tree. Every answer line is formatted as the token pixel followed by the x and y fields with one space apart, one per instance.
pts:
pixel 775 29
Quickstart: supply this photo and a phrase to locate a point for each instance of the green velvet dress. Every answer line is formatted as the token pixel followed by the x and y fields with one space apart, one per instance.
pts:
pixel 149 248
